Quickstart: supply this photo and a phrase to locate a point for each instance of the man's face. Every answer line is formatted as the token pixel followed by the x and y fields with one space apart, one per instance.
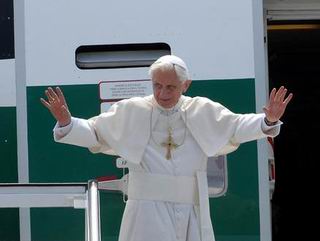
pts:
pixel 167 88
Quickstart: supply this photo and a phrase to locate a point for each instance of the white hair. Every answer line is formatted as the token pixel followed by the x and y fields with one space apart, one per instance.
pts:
pixel 170 62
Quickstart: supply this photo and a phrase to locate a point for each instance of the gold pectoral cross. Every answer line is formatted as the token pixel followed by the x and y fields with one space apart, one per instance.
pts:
pixel 169 144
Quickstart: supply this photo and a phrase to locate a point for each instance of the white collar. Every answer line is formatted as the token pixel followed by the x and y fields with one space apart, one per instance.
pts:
pixel 167 111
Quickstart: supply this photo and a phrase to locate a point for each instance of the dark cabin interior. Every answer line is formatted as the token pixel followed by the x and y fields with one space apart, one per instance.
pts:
pixel 294 61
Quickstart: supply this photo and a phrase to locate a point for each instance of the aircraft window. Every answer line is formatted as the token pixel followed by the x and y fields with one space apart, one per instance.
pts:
pixel 120 55
pixel 217 176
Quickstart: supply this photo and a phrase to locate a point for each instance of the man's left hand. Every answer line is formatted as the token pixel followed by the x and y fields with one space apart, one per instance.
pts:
pixel 277 104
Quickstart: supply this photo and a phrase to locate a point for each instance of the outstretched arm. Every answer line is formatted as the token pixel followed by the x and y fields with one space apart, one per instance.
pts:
pixel 57 105
pixel 276 105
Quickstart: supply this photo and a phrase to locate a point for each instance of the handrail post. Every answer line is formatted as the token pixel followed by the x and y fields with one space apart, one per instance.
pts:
pixel 93 223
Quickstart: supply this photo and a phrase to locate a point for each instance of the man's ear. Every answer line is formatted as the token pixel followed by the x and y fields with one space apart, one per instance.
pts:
pixel 186 85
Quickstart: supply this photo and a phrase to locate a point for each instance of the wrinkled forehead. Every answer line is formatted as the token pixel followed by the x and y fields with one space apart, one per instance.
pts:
pixel 165 75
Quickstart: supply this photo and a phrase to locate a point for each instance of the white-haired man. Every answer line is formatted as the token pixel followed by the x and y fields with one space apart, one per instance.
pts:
pixel 166 138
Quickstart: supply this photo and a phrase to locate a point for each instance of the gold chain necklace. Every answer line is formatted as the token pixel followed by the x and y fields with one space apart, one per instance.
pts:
pixel 169 144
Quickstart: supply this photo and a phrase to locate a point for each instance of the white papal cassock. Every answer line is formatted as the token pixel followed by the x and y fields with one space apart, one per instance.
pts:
pixel 135 129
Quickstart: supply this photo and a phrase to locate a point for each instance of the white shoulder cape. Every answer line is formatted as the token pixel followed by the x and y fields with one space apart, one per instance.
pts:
pixel 125 129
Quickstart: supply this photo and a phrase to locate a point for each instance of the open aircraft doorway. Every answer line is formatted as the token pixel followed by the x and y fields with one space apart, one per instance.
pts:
pixel 293 59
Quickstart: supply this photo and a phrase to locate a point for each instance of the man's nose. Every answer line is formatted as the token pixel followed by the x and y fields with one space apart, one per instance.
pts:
pixel 163 92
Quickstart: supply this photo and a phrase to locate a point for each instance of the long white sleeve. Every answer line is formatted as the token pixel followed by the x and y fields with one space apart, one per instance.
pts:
pixel 60 132
pixel 78 132
pixel 273 130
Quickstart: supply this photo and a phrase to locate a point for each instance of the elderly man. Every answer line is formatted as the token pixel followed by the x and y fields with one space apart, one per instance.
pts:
pixel 166 138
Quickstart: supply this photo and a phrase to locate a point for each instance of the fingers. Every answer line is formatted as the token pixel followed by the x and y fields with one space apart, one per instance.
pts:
pixel 59 93
pixel 279 96
pixel 272 94
pixel 55 97
pixel 287 100
pixel 61 96
pixel 48 92
pixel 283 94
pixel 45 103
pixel 277 104
pixel 53 94
pixel 279 93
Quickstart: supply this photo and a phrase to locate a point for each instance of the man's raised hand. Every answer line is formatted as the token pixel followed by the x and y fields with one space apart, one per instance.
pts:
pixel 277 104
pixel 57 105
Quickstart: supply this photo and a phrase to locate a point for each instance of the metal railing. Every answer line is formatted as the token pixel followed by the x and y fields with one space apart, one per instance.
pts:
pixel 41 195
pixel 93 212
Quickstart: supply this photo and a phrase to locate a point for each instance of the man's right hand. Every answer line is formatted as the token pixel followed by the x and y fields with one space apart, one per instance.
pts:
pixel 57 105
